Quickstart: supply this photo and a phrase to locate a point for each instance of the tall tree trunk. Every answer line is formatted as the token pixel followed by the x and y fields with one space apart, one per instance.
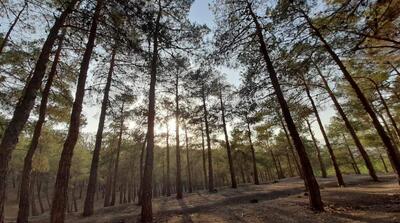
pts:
pixel 189 172
pixel 338 173
pixel 179 186
pixel 121 131
pixel 227 144
pixel 32 196
pixel 353 160
pixel 107 196
pixel 383 162
pixel 290 145
pixel 278 172
pixel 147 212
pixel 349 127
pixel 7 36
pixel 364 101
pixel 203 156
pixel 23 211
pixel 168 182
pixel 61 186
pixel 290 165
pixel 91 188
pixel 310 181
pixel 142 152
pixel 317 149
pixel 39 190
pixel 209 155
pixel 25 104
pixel 253 153
pixel 386 107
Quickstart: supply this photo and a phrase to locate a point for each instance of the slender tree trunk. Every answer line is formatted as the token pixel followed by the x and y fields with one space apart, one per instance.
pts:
pixel 290 165
pixel 227 144
pixel 253 153
pixel 23 211
pixel 210 166
pixel 389 114
pixel 179 186
pixel 353 160
pixel 25 104
pixel 39 190
pixel 147 212
pixel 107 196
pixel 278 172
pixel 203 156
pixel 141 170
pixel 7 36
pixel 317 149
pixel 338 173
pixel 310 181
pixel 32 199
pixel 290 145
pixel 91 188
pixel 349 127
pixel 383 162
pixel 168 182
pixel 189 172
pixel 121 131
pixel 62 179
pixel 364 101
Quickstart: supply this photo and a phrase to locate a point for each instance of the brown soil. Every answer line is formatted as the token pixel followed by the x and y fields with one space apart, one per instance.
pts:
pixel 361 201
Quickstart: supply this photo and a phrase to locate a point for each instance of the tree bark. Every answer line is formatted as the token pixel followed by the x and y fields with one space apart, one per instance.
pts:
pixel 310 181
pixel 32 199
pixel 349 127
pixel 364 101
pixel 189 172
pixel 227 144
pixel 39 190
pixel 209 155
pixel 353 160
pixel 147 212
pixel 121 131
pixel 25 104
pixel 317 149
pixel 383 162
pixel 168 182
pixel 91 188
pixel 204 156
pixel 253 153
pixel 179 186
pixel 23 211
pixel 62 179
pixel 338 173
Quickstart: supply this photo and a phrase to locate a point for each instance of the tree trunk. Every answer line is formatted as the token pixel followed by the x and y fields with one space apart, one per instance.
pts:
pixel 91 188
pixel 147 212
pixel 317 149
pixel 108 188
pixel 290 165
pixel 39 189
pixel 364 101
pixel 349 127
pixel 62 180
pixel 179 186
pixel 141 170
pixel 338 173
pixel 353 160
pixel 121 131
pixel 23 211
pixel 203 156
pixel 32 199
pixel 7 36
pixel 25 104
pixel 210 166
pixel 227 144
pixel 310 181
pixel 278 172
pixel 189 172
pixel 168 182
pixel 384 164
pixel 253 153
pixel 290 145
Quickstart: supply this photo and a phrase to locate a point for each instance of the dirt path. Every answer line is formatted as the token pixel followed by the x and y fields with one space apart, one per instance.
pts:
pixel 361 201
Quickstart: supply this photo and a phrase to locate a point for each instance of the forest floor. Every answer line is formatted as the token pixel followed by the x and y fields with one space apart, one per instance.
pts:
pixel 285 201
